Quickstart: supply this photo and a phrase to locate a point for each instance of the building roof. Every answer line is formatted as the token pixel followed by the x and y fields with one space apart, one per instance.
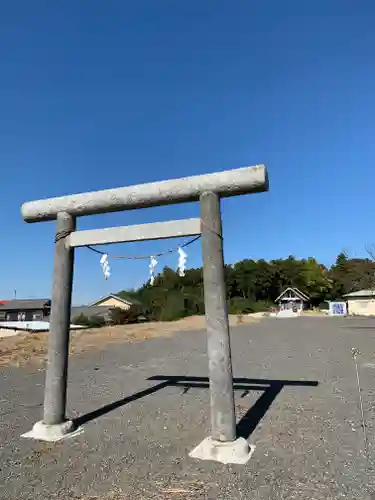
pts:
pixel 361 293
pixel 302 293
pixel 24 304
pixel 90 311
pixel 298 293
pixel 96 311
pixel 126 300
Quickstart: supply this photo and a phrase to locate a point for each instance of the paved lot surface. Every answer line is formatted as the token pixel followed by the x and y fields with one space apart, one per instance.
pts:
pixel 145 406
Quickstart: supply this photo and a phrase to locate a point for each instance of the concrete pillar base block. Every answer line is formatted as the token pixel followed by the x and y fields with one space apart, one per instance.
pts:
pixel 53 433
pixel 231 452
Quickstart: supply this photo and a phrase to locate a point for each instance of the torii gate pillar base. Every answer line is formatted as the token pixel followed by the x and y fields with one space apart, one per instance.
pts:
pixel 226 452
pixel 53 433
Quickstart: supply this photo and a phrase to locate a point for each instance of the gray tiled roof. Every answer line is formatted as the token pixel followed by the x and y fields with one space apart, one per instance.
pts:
pixel 24 304
pixel 90 311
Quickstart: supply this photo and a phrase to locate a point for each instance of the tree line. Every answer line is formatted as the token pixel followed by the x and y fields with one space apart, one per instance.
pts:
pixel 254 285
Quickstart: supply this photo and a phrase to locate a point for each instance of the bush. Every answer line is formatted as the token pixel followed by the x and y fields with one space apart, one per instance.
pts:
pixel 259 306
pixel 171 314
pixel 324 306
pixel 92 322
pixel 173 308
pixel 81 319
pixel 241 305
pixel 96 321
pixel 238 305
pixel 121 316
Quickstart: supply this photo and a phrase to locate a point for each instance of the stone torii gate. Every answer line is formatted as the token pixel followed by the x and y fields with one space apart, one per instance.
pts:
pixel 223 444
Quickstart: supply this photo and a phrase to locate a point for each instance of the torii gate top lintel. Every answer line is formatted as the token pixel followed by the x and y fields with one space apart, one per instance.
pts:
pixel 227 183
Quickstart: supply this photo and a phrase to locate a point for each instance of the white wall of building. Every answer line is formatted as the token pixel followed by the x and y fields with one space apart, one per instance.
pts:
pixel 362 306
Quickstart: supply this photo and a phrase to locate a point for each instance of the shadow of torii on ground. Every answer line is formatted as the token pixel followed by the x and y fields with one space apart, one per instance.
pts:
pixel 248 422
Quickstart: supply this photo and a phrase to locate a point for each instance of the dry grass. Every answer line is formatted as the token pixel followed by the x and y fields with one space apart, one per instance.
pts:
pixel 32 347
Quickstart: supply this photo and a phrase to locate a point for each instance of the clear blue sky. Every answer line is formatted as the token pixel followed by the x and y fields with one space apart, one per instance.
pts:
pixel 98 94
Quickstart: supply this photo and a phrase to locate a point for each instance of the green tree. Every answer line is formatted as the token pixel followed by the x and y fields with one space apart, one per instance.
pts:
pixel 351 275
pixel 254 285
pixel 317 282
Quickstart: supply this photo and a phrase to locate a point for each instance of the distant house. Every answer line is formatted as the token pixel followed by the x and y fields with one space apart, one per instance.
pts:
pixel 103 307
pixel 40 309
pixel 361 303
pixel 91 312
pixel 113 300
pixel 25 309
pixel 292 298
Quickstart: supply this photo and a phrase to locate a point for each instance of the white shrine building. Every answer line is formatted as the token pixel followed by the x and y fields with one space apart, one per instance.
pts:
pixel 293 299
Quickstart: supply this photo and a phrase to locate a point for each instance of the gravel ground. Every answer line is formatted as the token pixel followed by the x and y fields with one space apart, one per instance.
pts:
pixel 146 405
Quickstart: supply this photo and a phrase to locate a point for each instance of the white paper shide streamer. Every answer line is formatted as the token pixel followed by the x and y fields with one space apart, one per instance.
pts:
pixel 153 263
pixel 181 266
pixel 105 266
pixel 181 262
